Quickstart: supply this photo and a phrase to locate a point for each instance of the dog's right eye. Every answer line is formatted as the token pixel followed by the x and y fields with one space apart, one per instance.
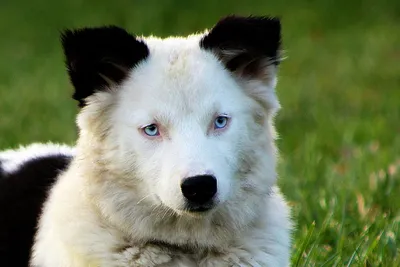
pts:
pixel 151 130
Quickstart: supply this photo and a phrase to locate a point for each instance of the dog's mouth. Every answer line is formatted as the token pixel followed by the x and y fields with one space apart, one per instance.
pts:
pixel 199 208
pixel 195 209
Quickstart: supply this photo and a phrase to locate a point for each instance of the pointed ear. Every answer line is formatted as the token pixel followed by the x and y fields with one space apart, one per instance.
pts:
pixel 98 58
pixel 247 46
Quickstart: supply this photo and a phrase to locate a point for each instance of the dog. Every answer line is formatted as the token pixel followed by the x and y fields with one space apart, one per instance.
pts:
pixel 175 160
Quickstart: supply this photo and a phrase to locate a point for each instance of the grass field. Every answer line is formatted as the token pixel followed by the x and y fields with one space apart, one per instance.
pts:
pixel 339 87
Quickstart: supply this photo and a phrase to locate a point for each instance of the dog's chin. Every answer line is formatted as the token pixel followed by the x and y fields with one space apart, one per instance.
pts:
pixel 197 214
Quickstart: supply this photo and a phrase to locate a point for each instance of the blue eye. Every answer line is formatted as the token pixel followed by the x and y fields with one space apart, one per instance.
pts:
pixel 151 130
pixel 221 122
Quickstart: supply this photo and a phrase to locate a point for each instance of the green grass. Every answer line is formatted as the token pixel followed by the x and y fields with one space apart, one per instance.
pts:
pixel 339 87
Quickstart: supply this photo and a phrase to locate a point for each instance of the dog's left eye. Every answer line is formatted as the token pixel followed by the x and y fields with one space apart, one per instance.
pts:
pixel 221 122
pixel 151 130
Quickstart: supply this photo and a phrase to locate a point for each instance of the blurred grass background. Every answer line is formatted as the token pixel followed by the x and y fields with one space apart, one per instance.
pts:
pixel 339 87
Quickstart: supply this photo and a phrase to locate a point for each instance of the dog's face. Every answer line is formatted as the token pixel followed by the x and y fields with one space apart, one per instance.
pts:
pixel 186 120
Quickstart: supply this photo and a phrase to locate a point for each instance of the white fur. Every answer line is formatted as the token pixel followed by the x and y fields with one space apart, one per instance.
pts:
pixel 119 203
pixel 12 159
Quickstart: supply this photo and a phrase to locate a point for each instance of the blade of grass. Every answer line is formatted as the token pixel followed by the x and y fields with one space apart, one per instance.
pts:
pixel 304 245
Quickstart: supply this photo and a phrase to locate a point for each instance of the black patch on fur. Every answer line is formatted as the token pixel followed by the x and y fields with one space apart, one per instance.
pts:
pixel 22 194
pixel 245 43
pixel 97 56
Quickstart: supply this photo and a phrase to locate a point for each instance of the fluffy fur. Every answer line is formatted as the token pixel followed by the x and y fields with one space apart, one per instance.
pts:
pixel 26 175
pixel 119 203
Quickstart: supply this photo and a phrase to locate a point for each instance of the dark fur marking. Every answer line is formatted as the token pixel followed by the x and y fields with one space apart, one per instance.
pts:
pixel 247 44
pixel 22 194
pixel 97 56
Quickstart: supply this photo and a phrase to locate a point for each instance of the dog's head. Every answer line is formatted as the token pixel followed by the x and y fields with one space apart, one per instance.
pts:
pixel 184 121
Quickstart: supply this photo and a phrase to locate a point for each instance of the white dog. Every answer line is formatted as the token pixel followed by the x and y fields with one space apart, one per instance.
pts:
pixel 175 162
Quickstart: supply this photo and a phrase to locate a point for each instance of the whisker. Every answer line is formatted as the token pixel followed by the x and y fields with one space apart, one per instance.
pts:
pixel 144 198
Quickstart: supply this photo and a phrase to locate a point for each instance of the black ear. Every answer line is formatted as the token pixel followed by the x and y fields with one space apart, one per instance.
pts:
pixel 97 58
pixel 246 45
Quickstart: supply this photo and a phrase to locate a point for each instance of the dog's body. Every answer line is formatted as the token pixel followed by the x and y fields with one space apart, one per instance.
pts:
pixel 175 163
pixel 26 175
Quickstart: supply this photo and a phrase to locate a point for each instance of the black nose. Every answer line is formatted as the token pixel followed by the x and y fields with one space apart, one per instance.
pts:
pixel 199 189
